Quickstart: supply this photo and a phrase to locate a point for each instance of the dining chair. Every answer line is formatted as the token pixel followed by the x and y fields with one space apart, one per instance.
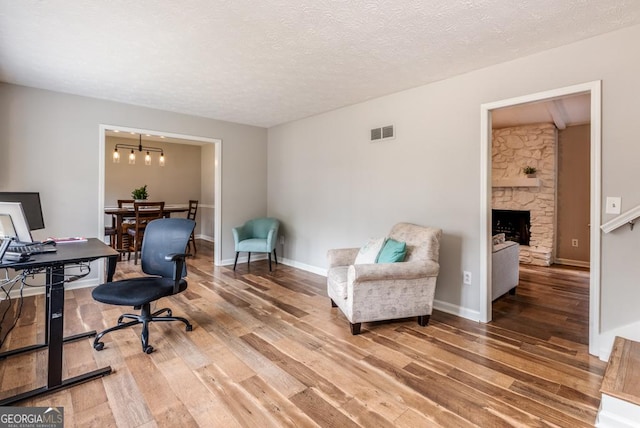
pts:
pixel 126 223
pixel 191 215
pixel 145 212
pixel 111 232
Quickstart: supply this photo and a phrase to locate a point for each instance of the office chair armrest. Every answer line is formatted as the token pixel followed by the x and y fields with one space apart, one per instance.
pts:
pixel 178 268
pixel 175 256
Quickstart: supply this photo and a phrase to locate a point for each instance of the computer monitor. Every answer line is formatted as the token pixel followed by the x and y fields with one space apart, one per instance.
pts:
pixel 13 222
pixel 30 204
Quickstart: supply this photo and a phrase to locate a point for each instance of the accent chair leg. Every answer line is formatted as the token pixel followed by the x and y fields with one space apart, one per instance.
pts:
pixel 269 257
pixel 275 257
pixel 423 320
pixel 355 329
pixel 248 258
pixel 333 304
pixel 236 262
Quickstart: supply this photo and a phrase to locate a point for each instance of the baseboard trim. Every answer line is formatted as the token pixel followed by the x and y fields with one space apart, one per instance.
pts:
pixel 305 267
pixel 569 262
pixel 205 238
pixel 456 310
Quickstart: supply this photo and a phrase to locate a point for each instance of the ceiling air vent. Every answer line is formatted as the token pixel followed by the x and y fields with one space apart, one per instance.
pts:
pixel 383 133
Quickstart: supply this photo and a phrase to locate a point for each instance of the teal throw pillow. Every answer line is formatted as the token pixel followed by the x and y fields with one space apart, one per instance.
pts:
pixel 393 251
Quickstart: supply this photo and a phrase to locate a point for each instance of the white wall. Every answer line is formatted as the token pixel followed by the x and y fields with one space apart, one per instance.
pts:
pixel 49 142
pixel 206 206
pixel 332 188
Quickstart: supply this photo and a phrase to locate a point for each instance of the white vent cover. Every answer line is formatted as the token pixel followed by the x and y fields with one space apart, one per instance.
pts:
pixel 383 133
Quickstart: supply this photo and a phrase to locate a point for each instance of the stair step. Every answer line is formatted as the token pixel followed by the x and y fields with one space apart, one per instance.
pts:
pixel 622 376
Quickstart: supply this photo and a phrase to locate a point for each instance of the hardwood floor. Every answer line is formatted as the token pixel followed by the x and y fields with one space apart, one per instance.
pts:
pixel 267 350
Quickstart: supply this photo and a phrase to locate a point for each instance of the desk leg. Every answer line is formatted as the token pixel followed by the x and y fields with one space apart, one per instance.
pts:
pixel 111 267
pixel 55 279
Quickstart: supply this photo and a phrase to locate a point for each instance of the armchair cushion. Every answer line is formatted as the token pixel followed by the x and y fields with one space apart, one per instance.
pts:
pixel 393 251
pixel 369 253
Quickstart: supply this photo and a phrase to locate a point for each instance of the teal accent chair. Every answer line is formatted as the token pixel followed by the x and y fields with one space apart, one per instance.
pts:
pixel 259 235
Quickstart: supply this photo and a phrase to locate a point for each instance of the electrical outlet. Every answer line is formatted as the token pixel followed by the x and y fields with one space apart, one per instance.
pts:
pixel 574 242
pixel 466 277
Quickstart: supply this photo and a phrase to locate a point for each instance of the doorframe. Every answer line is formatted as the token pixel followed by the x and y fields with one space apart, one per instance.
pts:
pixel 217 197
pixel 594 88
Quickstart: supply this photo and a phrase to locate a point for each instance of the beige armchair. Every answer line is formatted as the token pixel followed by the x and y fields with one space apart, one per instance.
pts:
pixel 383 291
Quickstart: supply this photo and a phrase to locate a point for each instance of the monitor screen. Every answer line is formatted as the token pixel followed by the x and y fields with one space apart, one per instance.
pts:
pixel 30 205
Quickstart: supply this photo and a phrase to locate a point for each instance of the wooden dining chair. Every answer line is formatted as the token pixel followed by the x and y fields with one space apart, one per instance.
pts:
pixel 191 215
pixel 127 222
pixel 144 212
pixel 111 232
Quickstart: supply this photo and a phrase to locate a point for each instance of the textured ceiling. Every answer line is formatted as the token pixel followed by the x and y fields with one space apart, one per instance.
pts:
pixel 269 62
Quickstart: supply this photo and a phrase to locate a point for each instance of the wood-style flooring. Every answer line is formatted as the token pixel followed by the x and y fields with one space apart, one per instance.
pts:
pixel 267 350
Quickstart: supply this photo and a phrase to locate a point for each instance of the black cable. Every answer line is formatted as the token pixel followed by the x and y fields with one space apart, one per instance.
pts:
pixel 23 280
pixel 13 282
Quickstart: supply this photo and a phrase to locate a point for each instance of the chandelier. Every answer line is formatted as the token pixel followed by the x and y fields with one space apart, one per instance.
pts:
pixel 140 148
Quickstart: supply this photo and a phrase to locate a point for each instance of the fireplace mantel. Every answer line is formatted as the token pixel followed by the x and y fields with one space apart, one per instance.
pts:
pixel 516 182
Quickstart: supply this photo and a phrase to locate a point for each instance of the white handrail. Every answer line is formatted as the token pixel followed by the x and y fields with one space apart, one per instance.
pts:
pixel 628 217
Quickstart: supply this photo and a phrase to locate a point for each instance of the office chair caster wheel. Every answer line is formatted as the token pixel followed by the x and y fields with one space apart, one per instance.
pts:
pixel 148 349
pixel 98 346
pixel 189 327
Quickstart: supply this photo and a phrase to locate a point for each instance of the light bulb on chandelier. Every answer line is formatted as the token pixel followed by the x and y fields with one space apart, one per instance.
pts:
pixel 140 148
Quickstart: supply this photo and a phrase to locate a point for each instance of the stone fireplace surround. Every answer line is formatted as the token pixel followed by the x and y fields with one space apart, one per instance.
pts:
pixel 512 149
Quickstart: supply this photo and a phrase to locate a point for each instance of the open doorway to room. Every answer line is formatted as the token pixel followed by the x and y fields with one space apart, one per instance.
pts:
pixel 555 214
pixel 173 183
pixel 540 214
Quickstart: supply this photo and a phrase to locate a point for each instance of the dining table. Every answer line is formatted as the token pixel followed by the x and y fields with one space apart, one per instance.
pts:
pixel 127 212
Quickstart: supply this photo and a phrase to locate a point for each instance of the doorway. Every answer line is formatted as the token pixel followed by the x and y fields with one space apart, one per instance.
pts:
pixel 217 185
pixel 593 89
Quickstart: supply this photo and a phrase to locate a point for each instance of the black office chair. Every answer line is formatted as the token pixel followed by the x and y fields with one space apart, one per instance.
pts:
pixel 162 255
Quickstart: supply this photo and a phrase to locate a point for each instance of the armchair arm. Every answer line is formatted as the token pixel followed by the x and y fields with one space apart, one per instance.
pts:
pixel 178 268
pixel 392 271
pixel 239 234
pixel 272 237
pixel 342 256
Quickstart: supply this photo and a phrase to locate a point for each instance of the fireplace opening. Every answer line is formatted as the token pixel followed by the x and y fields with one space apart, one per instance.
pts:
pixel 514 224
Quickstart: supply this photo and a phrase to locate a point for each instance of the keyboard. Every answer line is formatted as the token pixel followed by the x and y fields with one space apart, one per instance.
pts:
pixel 30 249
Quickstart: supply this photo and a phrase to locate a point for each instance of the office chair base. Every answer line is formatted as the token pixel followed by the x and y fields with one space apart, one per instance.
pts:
pixel 144 318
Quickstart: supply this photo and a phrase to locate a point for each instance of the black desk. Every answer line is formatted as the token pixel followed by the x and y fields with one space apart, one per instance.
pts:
pixel 54 264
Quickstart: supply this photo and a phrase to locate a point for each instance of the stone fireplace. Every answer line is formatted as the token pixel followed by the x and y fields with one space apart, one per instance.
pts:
pixel 513 149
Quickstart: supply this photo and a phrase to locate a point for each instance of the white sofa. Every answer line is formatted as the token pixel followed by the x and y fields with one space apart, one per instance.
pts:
pixel 505 268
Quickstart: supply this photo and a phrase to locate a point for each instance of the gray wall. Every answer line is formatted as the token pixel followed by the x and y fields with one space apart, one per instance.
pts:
pixel 49 142
pixel 332 188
